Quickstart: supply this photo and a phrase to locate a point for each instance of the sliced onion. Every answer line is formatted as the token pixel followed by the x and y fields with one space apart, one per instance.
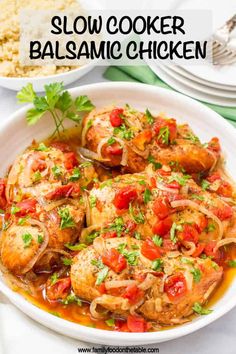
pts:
pixel 173 254
pixel 87 231
pixel 54 250
pixel 215 160
pixel 99 245
pixel 166 189
pixel 110 302
pixel 145 153
pixel 190 248
pixel 134 307
pixel 55 204
pixel 113 284
pixel 91 155
pixel 202 209
pixel 42 247
pixel 189 280
pixel 148 282
pixel 224 242
pixel 93 309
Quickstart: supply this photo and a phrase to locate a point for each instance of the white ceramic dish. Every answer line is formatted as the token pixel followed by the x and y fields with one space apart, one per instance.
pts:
pixel 16 83
pixel 190 91
pixel 15 135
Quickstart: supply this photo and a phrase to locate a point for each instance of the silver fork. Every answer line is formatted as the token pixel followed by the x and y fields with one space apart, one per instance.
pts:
pixel 224 48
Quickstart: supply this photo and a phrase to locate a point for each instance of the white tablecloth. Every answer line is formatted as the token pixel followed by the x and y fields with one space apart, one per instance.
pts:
pixel 21 335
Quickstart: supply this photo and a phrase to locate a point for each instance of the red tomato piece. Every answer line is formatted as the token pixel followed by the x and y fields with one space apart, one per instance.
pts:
pixel 114 149
pixel 162 227
pixel 124 196
pixel 153 182
pixel 114 260
pixel 168 245
pixel 133 293
pixel 161 208
pixel 172 129
pixel 224 212
pixel 130 226
pixel 121 326
pixel 175 286
pixel 173 185
pixel 136 324
pixel 225 189
pixel 109 234
pixel 64 147
pixel 202 224
pixel 216 255
pixel 64 191
pixel 38 163
pixel 71 160
pixel 115 117
pixel 59 290
pixel 214 145
pixel 214 177
pixel 102 288
pixel 3 200
pixel 26 206
pixel 189 233
pixel 150 250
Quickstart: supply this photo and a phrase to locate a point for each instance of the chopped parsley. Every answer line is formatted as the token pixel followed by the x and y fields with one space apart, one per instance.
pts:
pixel 110 322
pixel 76 247
pixel 182 180
pixel 76 174
pixel 156 165
pixel 27 239
pixel 137 235
pixel 85 164
pixel 111 141
pixel 22 221
pixel 92 201
pixel 14 209
pixel 232 263
pixel 67 261
pixel 70 299
pixel 193 138
pixel 205 184
pixel 186 261
pixel 147 195
pixel 138 217
pixel 196 274
pixel 150 118
pixel 142 183
pixel 198 197
pixel 131 257
pixel 124 132
pixel 173 230
pixel 89 124
pixel 66 219
pixel 158 241
pixel 200 310
pixel 37 176
pixel 164 135
pixel 157 264
pixel 104 184
pixel 117 226
pixel 57 171
pixel 40 239
pixel 210 227
pixel 97 263
pixel 42 147
pixel 102 275
pixel 54 278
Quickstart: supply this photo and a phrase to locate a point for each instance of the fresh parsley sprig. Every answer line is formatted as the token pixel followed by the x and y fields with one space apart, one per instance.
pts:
pixel 57 102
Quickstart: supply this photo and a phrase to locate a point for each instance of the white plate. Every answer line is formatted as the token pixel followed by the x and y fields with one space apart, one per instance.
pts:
pixel 15 135
pixel 179 86
pixel 188 75
pixel 195 85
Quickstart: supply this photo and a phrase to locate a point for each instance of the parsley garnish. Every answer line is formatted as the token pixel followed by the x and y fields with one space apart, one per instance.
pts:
pixel 97 263
pixel 124 132
pixel 92 236
pixel 76 247
pixel 156 165
pixel 138 218
pixel 192 137
pixel 58 102
pixel 147 195
pixel 57 171
pixel 67 261
pixel 196 275
pixel 14 209
pixel 117 226
pixel 76 174
pixel 173 230
pixel 210 227
pixel 205 184
pixel 92 201
pixel 182 180
pixel 66 219
pixel 164 135
pixel 40 238
pixel 111 141
pixel 232 263
pixel 27 239
pixel 150 118
pixel 70 299
pixel 137 235
pixel 54 278
pixel 42 147
pixel 158 241
pixel 37 176
pixel 110 322
pixel 157 265
pixel 102 275
pixel 198 197
pixel 131 257
pixel 200 310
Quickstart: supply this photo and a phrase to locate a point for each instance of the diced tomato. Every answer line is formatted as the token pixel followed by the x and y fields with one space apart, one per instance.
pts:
pixel 71 160
pixel 136 324
pixel 3 200
pixel 102 288
pixel 115 117
pixel 109 234
pixel 199 249
pixel 224 212
pixel 150 250
pixel 153 182
pixel 225 189
pixel 172 128
pixel 173 185
pixel 124 196
pixel 26 206
pixel 64 147
pixel 114 149
pixel 168 245
pixel 38 163
pixel 121 326
pixel 161 208
pixel 164 173
pixel 202 224
pixel 59 290
pixel 189 233
pixel 216 255
pixel 175 286
pixel 133 293
pixel 64 191
pixel 214 177
pixel 214 145
pixel 114 260
pixel 162 227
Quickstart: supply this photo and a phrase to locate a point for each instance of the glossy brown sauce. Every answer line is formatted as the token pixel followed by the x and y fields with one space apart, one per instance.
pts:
pixel 81 314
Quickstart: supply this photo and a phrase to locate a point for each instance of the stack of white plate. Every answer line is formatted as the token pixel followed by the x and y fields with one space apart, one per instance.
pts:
pixel 208 83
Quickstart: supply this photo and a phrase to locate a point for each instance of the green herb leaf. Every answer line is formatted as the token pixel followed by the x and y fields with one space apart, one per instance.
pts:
pixel 33 116
pixel 102 275
pixel 76 247
pixel 193 138
pixel 66 219
pixel 57 171
pixel 42 147
pixel 210 227
pixel 232 263
pixel 164 135
pixel 158 241
pixel 110 322
pixel 147 195
pixel 200 310
pixel 196 274
pixel 27 239
pixel 124 132
pixel 72 298
pixel 67 261
pixel 37 177
pixel 156 165
pixel 137 217
pixel 92 201
pixel 54 278
pixel 40 103
pixel 76 175
pixel 83 104
pixel 117 226
pixel 157 264
pixel 53 92
pixel 97 263
pixel 150 118
pixel 205 184
pixel 14 209
pixel 26 94
pixel 137 235
pixel 173 230
pixel 64 101
pixel 111 141
pixel 198 197
pixel 40 239
pixel 182 180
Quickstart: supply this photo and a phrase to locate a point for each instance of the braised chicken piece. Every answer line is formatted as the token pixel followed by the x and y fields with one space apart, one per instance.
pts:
pixel 128 138
pixel 119 276
pixel 164 203
pixel 45 209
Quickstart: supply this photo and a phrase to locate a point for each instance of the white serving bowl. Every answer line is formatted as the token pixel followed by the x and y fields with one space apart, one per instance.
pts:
pixel 15 136
pixel 16 83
